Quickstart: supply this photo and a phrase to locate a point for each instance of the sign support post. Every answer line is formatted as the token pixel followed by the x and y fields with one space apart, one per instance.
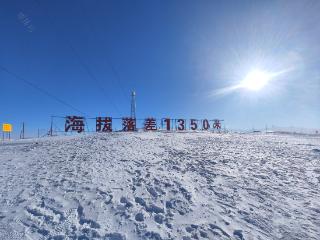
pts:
pixel 6 129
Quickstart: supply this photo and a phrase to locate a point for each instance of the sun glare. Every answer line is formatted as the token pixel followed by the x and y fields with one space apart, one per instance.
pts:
pixel 256 80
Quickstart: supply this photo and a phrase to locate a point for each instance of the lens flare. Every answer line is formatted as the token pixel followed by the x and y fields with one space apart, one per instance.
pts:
pixel 256 80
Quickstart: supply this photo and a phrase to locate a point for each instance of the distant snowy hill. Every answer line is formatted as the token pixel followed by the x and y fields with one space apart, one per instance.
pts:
pixel 295 130
pixel 161 186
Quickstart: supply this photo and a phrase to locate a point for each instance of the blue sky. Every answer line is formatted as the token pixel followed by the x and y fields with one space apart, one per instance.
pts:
pixel 175 54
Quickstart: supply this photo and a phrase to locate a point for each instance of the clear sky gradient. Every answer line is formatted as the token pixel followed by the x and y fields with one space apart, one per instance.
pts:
pixel 59 56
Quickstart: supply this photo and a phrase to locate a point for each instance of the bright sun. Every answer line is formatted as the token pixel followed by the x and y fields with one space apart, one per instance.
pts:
pixel 256 80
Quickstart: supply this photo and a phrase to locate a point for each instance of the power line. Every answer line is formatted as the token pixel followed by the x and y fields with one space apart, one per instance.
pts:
pixel 92 76
pixel 84 65
pixel 45 92
pixel 117 77
pixel 113 69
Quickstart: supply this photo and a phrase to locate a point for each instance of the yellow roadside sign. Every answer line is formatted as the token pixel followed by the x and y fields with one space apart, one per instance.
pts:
pixel 6 127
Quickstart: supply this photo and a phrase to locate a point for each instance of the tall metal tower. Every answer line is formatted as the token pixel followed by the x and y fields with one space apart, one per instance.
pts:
pixel 133 104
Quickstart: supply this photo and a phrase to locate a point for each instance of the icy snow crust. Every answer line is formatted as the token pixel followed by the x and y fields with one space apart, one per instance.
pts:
pixel 161 186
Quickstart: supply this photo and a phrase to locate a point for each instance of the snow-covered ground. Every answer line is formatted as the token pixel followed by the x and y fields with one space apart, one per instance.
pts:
pixel 161 186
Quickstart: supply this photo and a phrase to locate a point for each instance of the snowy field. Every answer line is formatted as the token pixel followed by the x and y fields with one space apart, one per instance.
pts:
pixel 161 186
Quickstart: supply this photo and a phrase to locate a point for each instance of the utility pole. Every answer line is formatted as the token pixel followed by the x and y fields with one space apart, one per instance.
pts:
pixel 22 131
pixel 133 104
pixel 50 132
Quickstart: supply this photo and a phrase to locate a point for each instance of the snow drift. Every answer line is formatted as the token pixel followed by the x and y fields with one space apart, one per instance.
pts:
pixel 161 186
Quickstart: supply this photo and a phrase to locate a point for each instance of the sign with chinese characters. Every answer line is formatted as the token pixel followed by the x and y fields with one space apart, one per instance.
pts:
pixel 128 124
pixel 103 124
pixel 74 123
pixel 6 127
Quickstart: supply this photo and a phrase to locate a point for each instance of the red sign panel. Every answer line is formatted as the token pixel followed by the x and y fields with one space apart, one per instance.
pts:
pixel 103 124
pixel 74 123
pixel 217 124
pixel 150 124
pixel 128 124
pixel 181 124
pixel 193 124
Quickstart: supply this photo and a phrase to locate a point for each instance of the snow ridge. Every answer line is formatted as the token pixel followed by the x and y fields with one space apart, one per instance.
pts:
pixel 161 186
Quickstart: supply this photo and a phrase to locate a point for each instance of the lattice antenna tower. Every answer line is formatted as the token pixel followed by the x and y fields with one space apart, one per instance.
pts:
pixel 133 104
